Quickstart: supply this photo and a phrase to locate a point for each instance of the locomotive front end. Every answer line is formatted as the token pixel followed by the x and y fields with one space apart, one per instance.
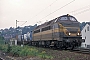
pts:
pixel 71 31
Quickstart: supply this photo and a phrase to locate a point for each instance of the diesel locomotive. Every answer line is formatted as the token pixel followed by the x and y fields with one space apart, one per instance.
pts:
pixel 62 32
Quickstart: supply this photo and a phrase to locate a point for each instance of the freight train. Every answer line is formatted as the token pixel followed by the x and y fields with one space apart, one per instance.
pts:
pixel 62 32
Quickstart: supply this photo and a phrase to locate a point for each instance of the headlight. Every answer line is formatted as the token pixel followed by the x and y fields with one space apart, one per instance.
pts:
pixel 78 34
pixel 69 33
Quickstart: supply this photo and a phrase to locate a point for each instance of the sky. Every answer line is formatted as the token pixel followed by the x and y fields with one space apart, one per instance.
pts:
pixel 40 11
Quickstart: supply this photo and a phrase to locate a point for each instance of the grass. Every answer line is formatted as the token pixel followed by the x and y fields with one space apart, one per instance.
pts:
pixel 25 51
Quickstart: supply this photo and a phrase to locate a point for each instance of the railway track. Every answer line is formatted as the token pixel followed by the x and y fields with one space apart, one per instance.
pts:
pixel 82 50
pixel 78 50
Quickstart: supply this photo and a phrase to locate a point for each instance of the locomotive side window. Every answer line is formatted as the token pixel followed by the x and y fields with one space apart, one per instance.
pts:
pixel 37 31
pixel 46 28
pixel 63 18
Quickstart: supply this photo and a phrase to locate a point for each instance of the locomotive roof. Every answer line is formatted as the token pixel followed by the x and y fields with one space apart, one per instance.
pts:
pixel 45 24
pixel 63 18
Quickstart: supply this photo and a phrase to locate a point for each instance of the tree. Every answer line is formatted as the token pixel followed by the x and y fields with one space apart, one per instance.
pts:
pixel 1 40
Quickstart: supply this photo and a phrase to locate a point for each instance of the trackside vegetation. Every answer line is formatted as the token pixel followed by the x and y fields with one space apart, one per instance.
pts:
pixel 25 51
pixel 30 52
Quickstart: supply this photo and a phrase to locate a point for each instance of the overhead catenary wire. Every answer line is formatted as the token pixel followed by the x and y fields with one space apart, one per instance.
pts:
pixel 24 23
pixel 82 11
pixel 75 11
pixel 44 9
pixel 58 9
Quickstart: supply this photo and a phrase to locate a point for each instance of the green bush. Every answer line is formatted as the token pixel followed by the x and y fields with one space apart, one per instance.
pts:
pixel 15 50
pixel 27 51
pixel 4 48
pixel 44 55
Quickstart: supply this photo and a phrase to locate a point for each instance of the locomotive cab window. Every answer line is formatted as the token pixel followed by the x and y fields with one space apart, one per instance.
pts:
pixel 63 18
pixel 72 18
